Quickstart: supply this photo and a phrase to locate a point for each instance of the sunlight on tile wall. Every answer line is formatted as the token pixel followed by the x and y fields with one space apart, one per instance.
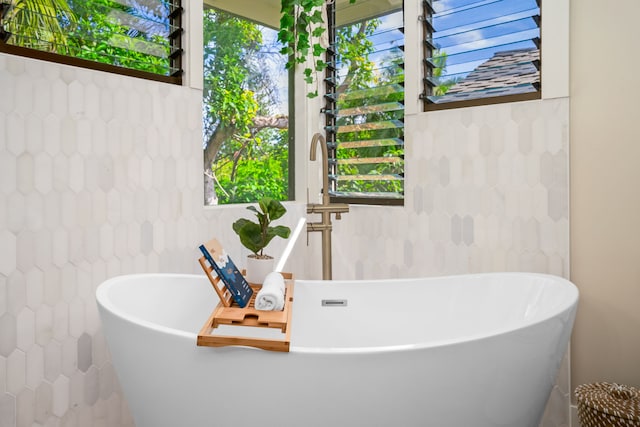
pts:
pixel 100 175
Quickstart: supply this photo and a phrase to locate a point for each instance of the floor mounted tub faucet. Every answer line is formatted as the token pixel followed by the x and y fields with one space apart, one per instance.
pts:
pixel 326 208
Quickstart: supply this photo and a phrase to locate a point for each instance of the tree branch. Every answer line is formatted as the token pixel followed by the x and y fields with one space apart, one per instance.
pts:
pixel 275 122
pixel 223 133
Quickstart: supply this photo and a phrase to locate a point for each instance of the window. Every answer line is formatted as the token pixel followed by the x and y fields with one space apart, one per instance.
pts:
pixel 365 102
pixel 133 37
pixel 246 111
pixel 480 52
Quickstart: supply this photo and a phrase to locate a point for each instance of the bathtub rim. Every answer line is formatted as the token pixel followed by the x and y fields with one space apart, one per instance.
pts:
pixel 105 303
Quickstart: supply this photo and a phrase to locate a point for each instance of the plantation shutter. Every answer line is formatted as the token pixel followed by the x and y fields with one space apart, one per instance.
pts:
pixel 365 110
pixel 140 35
pixel 479 49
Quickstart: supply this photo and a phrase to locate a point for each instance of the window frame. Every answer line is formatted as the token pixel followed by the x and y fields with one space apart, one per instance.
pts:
pixel 175 61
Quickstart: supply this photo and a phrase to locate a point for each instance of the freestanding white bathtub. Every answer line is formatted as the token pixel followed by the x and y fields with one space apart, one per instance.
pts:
pixel 461 351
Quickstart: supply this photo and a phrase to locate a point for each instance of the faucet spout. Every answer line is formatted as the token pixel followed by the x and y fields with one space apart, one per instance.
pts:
pixel 316 140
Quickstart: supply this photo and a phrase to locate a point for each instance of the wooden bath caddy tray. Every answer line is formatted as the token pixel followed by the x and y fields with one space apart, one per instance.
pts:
pixel 227 312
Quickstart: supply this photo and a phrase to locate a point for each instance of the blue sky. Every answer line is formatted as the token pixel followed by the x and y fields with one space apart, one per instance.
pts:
pixel 276 70
pixel 470 31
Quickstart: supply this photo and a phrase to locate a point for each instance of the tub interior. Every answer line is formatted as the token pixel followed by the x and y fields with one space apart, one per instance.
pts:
pixel 161 301
pixel 397 313
pixel 424 312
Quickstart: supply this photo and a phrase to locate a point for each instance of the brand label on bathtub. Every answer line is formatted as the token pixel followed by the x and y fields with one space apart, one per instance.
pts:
pixel 334 302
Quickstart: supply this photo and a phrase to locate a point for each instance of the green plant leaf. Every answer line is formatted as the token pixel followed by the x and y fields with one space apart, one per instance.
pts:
pixel 286 21
pixel 281 231
pixel 318 49
pixel 256 236
pixel 320 65
pixel 250 235
pixel 316 17
pixel 274 209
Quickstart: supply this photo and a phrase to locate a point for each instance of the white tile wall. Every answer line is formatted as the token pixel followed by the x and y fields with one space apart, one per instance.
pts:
pixel 486 190
pixel 100 175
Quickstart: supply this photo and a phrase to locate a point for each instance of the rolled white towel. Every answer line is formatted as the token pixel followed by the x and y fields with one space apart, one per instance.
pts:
pixel 271 296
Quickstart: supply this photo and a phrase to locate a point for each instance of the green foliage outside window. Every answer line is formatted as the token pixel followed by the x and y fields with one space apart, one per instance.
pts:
pixel 263 171
pixel 246 139
pixel 102 38
pixel 132 36
pixel 439 60
pixel 245 135
pixel 355 48
pixel 39 24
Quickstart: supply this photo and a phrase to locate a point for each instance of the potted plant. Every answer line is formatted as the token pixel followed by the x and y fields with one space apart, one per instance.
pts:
pixel 255 236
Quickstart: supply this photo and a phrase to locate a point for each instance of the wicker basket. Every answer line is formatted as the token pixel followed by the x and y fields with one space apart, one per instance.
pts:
pixel 608 405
